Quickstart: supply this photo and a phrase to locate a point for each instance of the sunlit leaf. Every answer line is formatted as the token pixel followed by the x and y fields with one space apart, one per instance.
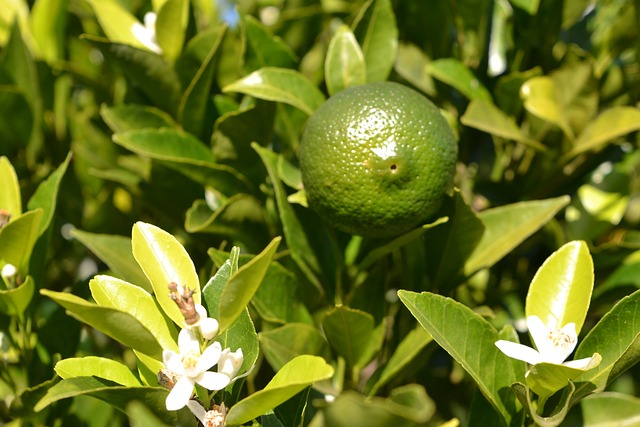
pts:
pixel 117 23
pixel 14 301
pixel 344 66
pixel 170 27
pixel 111 292
pixel 164 260
pixel 547 378
pixel 470 340
pixel 376 30
pixel 295 376
pixel 608 125
pixel 542 99
pixel 121 118
pixel 280 85
pixel 10 199
pixel 18 238
pixel 96 366
pixel 114 323
pixel 454 73
pixel 263 49
pixel 560 292
pixel 48 25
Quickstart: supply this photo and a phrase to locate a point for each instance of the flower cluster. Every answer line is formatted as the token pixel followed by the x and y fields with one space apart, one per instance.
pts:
pixel 197 355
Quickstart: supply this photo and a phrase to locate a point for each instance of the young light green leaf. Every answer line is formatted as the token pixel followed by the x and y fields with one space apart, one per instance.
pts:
pixel 617 338
pixel 15 301
pixel 10 199
pixel 485 116
pixel 117 396
pixel 541 98
pixel 108 291
pixel 560 292
pixel 18 238
pixel 507 226
pixel 48 22
pixel 376 30
pixel 547 378
pixel 454 73
pixel 344 66
pixel 283 344
pixel 349 332
pixel 470 340
pixel 114 323
pixel 117 23
pixel 46 195
pixel 164 260
pixel 96 366
pixel 411 64
pixel 170 27
pixel 243 285
pixel 280 85
pixel 610 124
pixel 115 251
pixel 295 376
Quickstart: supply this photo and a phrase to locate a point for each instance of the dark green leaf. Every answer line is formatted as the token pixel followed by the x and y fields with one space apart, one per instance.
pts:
pixel 349 332
pixel 263 49
pixel 454 73
pixel 287 342
pixel 46 195
pixel 126 117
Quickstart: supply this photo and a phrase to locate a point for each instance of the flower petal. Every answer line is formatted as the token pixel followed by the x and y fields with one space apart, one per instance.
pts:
pixel 188 342
pixel 173 362
pixel 582 364
pixel 210 356
pixel 180 394
pixel 212 380
pixel 519 351
pixel 539 333
pixel 209 327
pixel 197 410
pixel 230 362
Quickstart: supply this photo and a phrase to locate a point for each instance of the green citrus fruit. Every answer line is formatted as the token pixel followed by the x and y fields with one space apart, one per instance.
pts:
pixel 377 159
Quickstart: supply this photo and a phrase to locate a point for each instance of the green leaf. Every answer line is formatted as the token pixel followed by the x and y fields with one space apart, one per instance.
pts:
pixel 560 292
pixel 508 226
pixel 406 407
pixel 164 260
pixel 117 396
pixel 184 153
pixel 606 409
pixel 195 102
pixel 344 66
pixel 405 353
pixel 349 332
pixel 485 116
pixel 141 416
pixel 296 237
pixel 111 292
pixel 46 195
pixel 547 378
pixel 411 63
pixel 116 22
pixel 454 73
pixel 242 334
pixel 116 252
pixel 529 6
pixel 608 125
pixel 10 199
pixel 114 323
pixel 263 49
pixel 376 30
pixel 243 285
pixel 96 366
pixel 553 416
pixel 171 25
pixel 470 340
pixel 156 78
pixel 283 344
pixel 542 99
pixel 15 301
pixel 125 117
pixel 18 238
pixel 48 24
pixel 280 85
pixel 616 337
pixel 295 376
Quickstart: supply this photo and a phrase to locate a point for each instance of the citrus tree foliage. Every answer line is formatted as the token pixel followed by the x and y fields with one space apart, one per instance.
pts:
pixel 152 214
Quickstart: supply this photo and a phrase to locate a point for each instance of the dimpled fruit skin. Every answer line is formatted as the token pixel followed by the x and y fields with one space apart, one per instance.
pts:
pixel 377 159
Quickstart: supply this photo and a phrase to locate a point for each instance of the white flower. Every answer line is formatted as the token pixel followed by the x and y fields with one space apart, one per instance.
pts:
pixel 230 362
pixel 9 271
pixel 192 367
pixel 553 346
pixel 146 33
pixel 208 325
pixel 212 418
